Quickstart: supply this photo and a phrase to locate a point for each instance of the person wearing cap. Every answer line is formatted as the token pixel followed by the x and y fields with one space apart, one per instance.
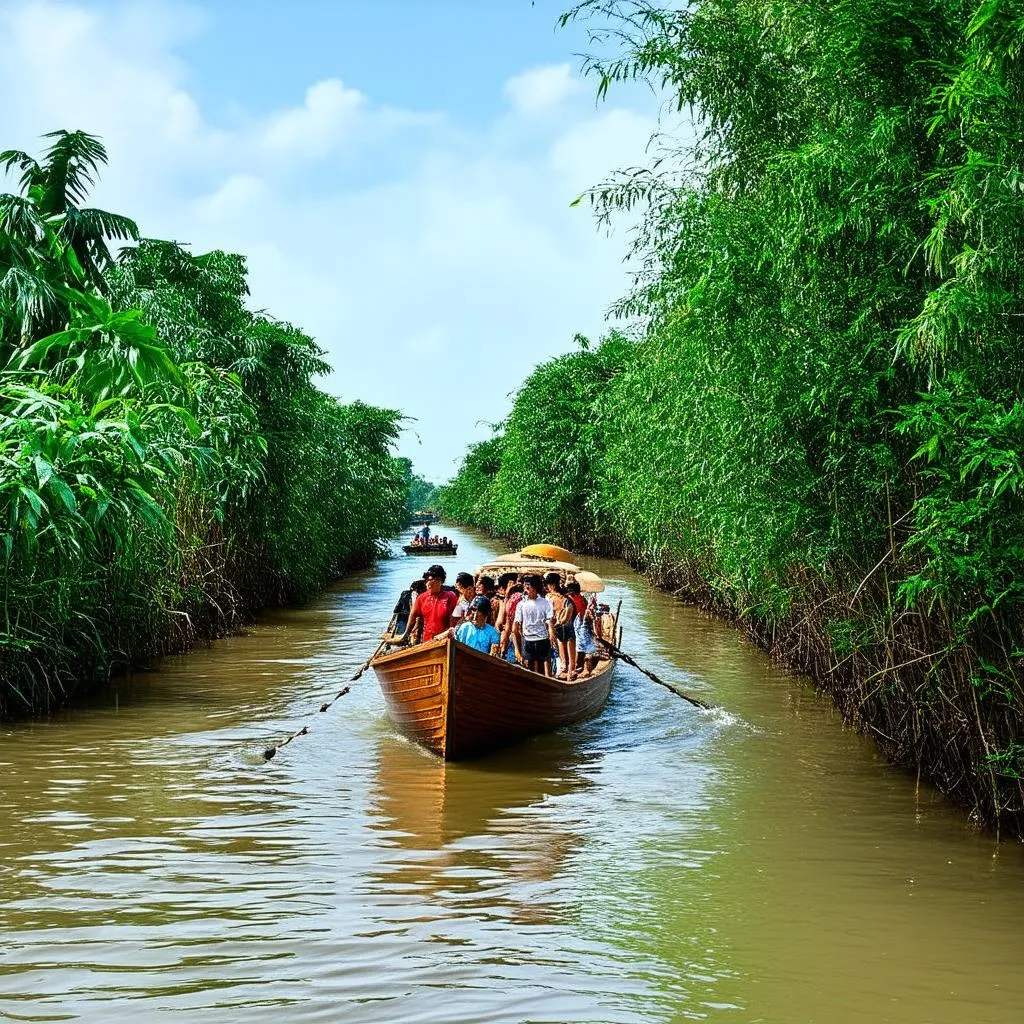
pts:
pixel 533 632
pixel 433 608
pixel 476 631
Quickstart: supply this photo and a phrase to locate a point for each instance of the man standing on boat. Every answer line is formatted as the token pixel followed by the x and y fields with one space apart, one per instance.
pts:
pixel 434 607
pixel 533 632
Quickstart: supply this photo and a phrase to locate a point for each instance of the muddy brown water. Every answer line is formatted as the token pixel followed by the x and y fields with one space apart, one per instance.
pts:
pixel 654 864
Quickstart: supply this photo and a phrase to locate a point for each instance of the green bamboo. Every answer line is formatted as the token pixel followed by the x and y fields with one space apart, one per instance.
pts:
pixel 814 422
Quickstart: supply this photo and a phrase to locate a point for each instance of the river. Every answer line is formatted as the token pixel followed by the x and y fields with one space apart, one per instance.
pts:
pixel 656 864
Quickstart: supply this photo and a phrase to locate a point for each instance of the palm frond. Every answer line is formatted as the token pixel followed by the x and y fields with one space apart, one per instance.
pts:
pixel 20 219
pixel 71 166
pixel 26 295
pixel 100 223
pixel 31 172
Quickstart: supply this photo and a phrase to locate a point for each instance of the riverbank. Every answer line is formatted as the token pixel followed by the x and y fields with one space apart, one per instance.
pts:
pixel 128 638
pixel 219 615
pixel 875 697
pixel 812 417
pixel 169 466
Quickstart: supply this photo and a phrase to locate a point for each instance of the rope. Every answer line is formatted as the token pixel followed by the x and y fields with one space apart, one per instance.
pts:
pixel 272 751
pixel 616 652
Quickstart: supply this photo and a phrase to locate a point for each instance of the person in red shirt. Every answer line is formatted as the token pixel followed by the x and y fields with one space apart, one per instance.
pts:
pixel 573 591
pixel 434 607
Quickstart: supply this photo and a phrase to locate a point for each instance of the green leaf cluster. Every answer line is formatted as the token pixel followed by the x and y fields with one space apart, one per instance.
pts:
pixel 167 463
pixel 816 422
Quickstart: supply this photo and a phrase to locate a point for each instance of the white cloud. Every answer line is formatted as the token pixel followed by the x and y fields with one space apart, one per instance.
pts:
pixel 540 89
pixel 453 247
pixel 330 110
pixel 239 195
pixel 617 139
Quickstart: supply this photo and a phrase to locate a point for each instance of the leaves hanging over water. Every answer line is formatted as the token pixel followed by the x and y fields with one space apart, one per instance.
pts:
pixel 166 463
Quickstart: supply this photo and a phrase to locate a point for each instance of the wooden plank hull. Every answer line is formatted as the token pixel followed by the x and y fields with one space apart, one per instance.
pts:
pixel 431 549
pixel 460 703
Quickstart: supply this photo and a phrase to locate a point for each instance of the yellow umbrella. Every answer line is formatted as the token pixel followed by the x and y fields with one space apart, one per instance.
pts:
pixel 590 582
pixel 552 551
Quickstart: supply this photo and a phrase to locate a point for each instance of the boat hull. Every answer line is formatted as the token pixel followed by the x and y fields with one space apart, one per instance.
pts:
pixel 433 549
pixel 460 703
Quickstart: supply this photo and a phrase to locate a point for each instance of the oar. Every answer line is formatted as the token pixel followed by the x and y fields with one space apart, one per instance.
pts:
pixel 271 751
pixel 616 652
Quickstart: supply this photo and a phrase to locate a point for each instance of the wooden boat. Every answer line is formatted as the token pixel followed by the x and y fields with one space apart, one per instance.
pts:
pixel 458 702
pixel 430 549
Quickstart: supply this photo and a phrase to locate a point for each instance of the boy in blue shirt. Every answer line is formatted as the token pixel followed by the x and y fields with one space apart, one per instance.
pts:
pixel 476 631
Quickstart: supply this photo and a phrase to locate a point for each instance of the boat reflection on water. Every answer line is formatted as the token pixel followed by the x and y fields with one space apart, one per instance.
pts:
pixel 484 833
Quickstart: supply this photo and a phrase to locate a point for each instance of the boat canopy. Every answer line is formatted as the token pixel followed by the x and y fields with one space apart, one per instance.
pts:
pixel 590 582
pixel 551 551
pixel 526 561
pixel 520 562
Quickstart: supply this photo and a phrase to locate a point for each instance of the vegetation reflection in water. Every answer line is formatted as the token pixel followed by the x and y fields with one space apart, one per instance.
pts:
pixel 653 864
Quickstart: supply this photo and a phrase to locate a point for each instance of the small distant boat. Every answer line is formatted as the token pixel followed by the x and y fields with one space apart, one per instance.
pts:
pixel 430 549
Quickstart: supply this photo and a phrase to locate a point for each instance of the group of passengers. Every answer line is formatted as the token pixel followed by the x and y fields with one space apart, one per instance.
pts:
pixel 422 538
pixel 540 622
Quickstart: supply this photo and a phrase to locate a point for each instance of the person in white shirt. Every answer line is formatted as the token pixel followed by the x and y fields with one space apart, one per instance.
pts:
pixel 533 632
pixel 466 591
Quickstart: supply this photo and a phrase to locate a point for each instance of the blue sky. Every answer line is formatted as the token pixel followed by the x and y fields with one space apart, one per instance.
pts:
pixel 452 55
pixel 399 175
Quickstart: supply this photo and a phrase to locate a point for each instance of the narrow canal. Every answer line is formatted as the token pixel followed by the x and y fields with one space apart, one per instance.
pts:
pixel 656 864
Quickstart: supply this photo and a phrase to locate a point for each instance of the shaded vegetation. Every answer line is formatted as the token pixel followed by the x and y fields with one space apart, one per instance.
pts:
pixel 167 465
pixel 420 494
pixel 818 425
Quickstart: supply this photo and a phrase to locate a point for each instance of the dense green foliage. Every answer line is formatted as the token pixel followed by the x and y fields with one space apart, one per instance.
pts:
pixel 167 465
pixel 420 494
pixel 818 425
